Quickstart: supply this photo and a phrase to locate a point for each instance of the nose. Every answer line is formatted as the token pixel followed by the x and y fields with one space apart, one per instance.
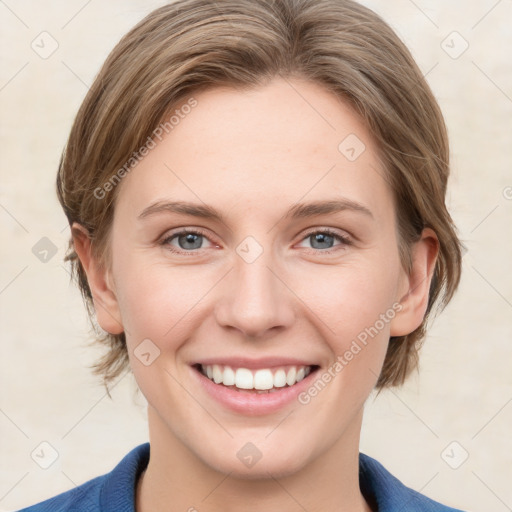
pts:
pixel 255 299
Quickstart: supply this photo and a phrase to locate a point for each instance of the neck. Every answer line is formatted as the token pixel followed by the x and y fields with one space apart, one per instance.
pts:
pixel 179 480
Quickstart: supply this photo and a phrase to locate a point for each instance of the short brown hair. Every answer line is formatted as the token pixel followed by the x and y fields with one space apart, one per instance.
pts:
pixel 192 45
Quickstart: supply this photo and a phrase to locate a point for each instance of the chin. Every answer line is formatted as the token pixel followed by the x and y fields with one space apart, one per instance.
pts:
pixel 248 463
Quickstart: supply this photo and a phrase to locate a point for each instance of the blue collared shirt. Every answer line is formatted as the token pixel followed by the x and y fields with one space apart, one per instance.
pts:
pixel 115 491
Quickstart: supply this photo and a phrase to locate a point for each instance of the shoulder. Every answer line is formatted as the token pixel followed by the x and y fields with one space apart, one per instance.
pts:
pixel 112 491
pixel 81 498
pixel 389 494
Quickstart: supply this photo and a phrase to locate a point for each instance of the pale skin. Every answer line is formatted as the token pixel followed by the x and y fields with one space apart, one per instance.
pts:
pixel 252 155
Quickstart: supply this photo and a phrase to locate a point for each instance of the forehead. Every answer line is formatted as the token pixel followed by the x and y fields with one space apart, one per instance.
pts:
pixel 264 148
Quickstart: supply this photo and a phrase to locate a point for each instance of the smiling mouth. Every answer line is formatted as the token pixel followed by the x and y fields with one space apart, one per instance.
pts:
pixel 264 380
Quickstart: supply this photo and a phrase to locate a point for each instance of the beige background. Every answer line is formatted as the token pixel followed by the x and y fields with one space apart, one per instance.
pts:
pixel 463 393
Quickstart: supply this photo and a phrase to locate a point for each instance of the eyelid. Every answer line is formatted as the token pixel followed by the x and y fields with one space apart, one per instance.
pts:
pixel 344 239
pixel 165 239
pixel 343 236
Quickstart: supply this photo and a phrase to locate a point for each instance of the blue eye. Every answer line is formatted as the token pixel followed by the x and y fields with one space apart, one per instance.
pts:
pixel 190 241
pixel 185 241
pixel 325 239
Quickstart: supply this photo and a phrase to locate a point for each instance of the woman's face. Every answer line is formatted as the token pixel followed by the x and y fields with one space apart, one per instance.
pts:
pixel 290 266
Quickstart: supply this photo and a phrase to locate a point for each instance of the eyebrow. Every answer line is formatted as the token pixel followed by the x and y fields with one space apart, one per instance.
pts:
pixel 297 211
pixel 195 210
pixel 302 210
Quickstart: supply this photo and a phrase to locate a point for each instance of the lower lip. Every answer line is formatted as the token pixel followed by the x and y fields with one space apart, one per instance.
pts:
pixel 253 404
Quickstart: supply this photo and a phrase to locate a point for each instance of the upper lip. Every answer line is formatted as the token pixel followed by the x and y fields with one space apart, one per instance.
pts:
pixel 263 362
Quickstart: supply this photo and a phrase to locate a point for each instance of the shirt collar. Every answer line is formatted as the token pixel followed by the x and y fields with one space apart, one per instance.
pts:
pixel 380 488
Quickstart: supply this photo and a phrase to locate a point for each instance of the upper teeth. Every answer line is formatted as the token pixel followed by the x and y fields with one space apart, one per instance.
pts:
pixel 244 378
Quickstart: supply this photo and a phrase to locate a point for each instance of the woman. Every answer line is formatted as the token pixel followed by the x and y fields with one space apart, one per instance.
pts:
pixel 256 192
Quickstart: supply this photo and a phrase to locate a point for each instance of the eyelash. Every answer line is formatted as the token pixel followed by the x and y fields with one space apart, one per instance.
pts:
pixel 345 241
pixel 195 231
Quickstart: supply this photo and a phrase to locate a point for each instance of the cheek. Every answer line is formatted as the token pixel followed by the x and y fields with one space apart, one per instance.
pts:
pixel 353 311
pixel 353 307
pixel 349 298
pixel 157 301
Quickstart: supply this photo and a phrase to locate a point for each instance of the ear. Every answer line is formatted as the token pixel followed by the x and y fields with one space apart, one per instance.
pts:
pixel 100 283
pixel 415 287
